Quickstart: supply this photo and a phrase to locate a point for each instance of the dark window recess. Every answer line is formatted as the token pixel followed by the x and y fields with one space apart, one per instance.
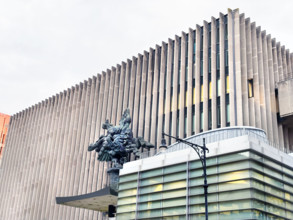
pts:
pixel 250 88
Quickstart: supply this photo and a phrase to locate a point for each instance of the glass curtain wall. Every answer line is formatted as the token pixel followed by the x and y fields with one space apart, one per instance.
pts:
pixel 242 185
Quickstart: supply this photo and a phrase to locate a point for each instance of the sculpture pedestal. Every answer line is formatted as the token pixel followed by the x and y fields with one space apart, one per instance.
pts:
pixel 114 179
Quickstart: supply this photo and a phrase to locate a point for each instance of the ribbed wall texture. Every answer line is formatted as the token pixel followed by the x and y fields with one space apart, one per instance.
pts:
pixel 197 82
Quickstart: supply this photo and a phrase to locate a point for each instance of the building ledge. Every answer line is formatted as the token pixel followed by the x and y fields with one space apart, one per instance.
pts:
pixel 97 201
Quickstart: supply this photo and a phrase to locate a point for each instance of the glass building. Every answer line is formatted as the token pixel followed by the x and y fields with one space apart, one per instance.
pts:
pixel 247 178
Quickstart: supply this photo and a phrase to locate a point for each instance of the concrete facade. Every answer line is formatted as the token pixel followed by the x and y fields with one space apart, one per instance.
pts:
pixel 223 73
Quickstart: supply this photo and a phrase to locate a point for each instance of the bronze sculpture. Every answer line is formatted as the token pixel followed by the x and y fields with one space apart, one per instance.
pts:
pixel 118 143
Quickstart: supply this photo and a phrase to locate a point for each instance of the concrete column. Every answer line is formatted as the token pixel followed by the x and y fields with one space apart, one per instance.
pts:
pixel 189 82
pixel 17 172
pixel 126 85
pixel 280 77
pixel 97 131
pixel 181 80
pixel 154 110
pixel 132 86
pixel 222 71
pixel 136 106
pixel 162 89
pixel 280 63
pixel 15 168
pixel 197 79
pixel 93 163
pixel 114 118
pixel 39 168
pixel 175 88
pixel 205 75
pixel 168 116
pixel 143 90
pixel 59 117
pixel 214 72
pixel 78 134
pixel 273 110
pixel 111 93
pixel 66 106
pixel 47 151
pixel 103 166
pixel 83 176
pixel 264 125
pixel 286 139
pixel 249 68
pixel 105 101
pixel 237 69
pixel 78 108
pixel 290 135
pixel 284 61
pixel 291 61
pixel 232 67
pixel 121 91
pixel 288 61
pixel 149 91
pixel 72 95
pixel 267 79
pixel 256 87
pixel 244 73
pixel 45 202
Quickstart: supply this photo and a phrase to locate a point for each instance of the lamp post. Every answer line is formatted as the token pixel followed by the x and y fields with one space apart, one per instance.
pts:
pixel 201 152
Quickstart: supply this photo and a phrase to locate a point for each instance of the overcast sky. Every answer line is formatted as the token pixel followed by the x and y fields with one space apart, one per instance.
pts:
pixel 48 46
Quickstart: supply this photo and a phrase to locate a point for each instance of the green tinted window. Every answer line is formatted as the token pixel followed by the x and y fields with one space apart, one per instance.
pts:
pixel 233 166
pixel 128 192
pixel 123 216
pixel 233 157
pixel 128 177
pixel 242 194
pixel 151 173
pixel 126 208
pixel 151 181
pixel 239 184
pixel 234 175
pixel 176 168
pixel 176 176
pixel 174 202
pixel 150 213
pixel 233 205
pixel 127 200
pixel 174 194
pixel 150 205
pixel 174 211
pixel 174 185
pixel 150 189
pixel 150 197
pixel 128 185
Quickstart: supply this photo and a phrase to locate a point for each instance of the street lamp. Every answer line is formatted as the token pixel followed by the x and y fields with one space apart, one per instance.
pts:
pixel 201 152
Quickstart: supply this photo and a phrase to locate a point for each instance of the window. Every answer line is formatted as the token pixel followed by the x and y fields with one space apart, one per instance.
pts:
pixel 210 90
pixel 201 93
pixel 227 84
pixel 250 88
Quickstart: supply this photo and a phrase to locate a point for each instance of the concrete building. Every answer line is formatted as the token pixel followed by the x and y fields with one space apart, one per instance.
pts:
pixel 227 72
pixel 4 123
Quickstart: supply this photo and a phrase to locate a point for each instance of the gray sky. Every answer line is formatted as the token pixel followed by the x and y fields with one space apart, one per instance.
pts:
pixel 48 46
